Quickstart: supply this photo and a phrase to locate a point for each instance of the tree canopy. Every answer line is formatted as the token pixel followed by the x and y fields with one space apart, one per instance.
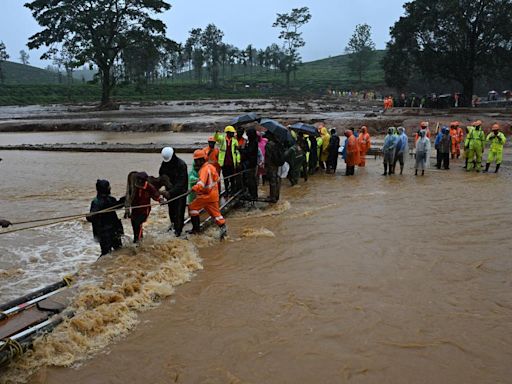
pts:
pixel 361 48
pixel 459 40
pixel 290 24
pixel 97 31
pixel 3 57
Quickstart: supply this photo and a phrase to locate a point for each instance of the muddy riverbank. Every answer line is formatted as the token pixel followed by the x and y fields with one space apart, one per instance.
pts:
pixel 208 115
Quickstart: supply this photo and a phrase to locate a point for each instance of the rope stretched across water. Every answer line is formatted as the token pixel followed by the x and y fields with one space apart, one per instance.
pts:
pixel 63 219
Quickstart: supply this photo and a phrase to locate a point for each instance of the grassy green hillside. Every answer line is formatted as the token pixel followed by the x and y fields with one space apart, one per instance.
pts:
pixel 28 85
pixel 16 73
pixel 315 75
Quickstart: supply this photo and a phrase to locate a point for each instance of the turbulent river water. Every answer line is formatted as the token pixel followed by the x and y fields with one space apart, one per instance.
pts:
pixel 366 279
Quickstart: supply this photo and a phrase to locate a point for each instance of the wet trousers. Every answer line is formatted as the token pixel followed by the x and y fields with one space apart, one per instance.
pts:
pixel 177 214
pixel 275 183
pixel 252 183
pixel 443 160
pixel 229 182
pixel 495 156
pixel 362 159
pixel 212 207
pixel 137 221
pixel 474 159
pixel 109 242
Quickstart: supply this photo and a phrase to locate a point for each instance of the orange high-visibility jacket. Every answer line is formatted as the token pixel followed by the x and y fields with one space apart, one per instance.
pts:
pixel 213 157
pixel 206 188
pixel 363 140
pixel 352 157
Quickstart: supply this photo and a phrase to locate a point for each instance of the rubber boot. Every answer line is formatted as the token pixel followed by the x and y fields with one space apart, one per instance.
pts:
pixel 423 173
pixel 466 164
pixel 401 169
pixel 416 172
pixel 487 165
pixel 196 225
pixel 497 168
pixel 385 169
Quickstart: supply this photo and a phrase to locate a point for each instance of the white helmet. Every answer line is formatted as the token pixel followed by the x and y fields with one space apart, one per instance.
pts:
pixel 167 153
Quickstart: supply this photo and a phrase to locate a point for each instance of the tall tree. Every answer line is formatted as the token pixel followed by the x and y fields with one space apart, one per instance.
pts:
pixel 97 30
pixel 459 40
pixel 211 39
pixel 195 47
pixel 290 24
pixel 361 49
pixel 24 57
pixel 3 57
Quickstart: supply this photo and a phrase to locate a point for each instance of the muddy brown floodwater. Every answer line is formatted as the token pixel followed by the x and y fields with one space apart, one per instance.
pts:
pixel 366 279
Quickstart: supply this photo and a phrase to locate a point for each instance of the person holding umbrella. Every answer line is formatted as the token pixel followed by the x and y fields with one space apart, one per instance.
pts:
pixel 229 157
pixel 274 158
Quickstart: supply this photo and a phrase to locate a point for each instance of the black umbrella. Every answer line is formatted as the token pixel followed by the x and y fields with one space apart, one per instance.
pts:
pixel 245 119
pixel 279 131
pixel 306 128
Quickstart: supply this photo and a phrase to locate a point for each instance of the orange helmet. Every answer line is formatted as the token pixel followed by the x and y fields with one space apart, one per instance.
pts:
pixel 495 126
pixel 199 154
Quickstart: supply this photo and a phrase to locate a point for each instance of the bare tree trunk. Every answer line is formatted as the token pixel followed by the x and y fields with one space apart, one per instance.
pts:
pixel 106 86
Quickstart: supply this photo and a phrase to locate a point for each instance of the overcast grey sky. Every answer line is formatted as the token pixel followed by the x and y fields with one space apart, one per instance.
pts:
pixel 243 23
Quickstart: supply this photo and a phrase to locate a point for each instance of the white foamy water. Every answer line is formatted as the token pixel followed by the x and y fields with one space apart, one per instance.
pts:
pixel 44 185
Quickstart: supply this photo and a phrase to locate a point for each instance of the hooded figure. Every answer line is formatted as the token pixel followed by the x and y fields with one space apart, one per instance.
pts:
pixel 176 170
pixel 422 153
pixel 475 142
pixel 313 155
pixel 274 158
pixel 388 150
pixel 207 194
pixel 249 156
pixel 497 140
pixel 262 143
pixel 334 145
pixel 364 142
pixel 402 148
pixel 107 229
pixel 143 192
pixel 457 136
pixel 351 153
pixel 324 151
pixel 443 146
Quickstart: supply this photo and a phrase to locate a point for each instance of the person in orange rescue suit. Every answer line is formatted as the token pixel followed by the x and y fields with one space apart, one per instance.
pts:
pixel 364 143
pixel 212 155
pixel 457 135
pixel 207 194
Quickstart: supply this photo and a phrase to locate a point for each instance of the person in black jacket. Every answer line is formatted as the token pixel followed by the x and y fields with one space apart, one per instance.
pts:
pixel 249 159
pixel 334 145
pixel 176 170
pixel 274 158
pixel 106 227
